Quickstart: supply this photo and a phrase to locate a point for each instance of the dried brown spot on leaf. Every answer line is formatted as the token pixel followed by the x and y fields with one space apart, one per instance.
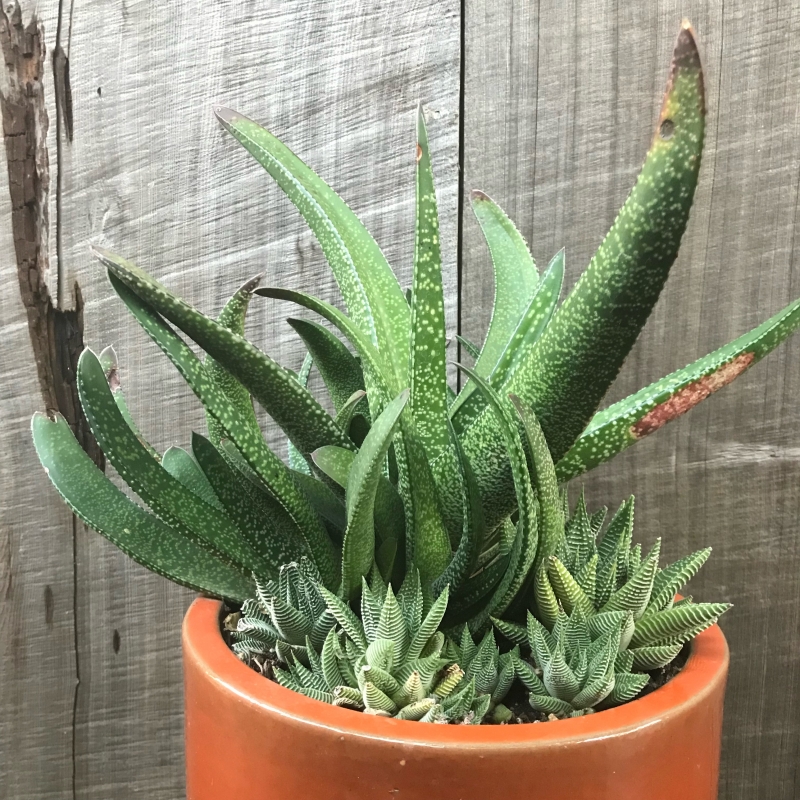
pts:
pixel 688 397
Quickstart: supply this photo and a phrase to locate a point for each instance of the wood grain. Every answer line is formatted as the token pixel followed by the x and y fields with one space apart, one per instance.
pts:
pixel 150 173
pixel 560 99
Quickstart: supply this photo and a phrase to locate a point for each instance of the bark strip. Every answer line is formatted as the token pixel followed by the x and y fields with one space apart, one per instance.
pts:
pixel 56 334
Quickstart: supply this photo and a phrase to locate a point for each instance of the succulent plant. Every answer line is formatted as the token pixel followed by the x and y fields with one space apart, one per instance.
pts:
pixel 404 474
pixel 390 661
pixel 581 665
pixel 602 611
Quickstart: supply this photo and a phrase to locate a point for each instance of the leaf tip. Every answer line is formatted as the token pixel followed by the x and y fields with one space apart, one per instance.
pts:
pixel 227 116
pixel 477 196
pixel 249 286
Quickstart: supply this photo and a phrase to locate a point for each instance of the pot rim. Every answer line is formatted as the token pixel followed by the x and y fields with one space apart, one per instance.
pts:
pixel 203 643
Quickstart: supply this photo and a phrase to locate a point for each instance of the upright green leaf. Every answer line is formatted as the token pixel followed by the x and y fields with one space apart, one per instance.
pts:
pixel 524 550
pixel 183 467
pixel 470 407
pixel 358 550
pixel 463 561
pixel 515 281
pixel 338 367
pixel 232 317
pixel 367 283
pixel 582 350
pixel 428 368
pixel 138 533
pixel 551 516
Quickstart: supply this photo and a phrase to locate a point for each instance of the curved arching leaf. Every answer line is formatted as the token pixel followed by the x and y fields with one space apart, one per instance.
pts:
pixel 137 532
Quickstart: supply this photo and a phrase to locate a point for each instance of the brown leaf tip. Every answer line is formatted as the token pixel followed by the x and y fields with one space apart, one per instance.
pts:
pixel 686 53
pixel 476 195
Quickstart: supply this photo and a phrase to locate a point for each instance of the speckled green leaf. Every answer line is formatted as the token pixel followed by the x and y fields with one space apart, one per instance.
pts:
pixel 338 367
pixel 472 535
pixel 469 346
pixel 300 416
pixel 551 515
pixel 626 422
pixel 470 409
pixel 266 465
pixel 368 285
pixel 138 533
pixel 166 496
pixel 515 281
pixel 427 368
pixel 378 377
pixel 232 317
pixel 525 544
pixel 110 364
pixel 297 461
pixel 474 422
pixel 358 550
pixel 346 413
pixel 269 530
pixel 325 502
pixel 581 351
pixel 183 467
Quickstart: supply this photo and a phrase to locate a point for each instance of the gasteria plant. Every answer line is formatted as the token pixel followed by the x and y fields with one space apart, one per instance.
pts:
pixel 406 476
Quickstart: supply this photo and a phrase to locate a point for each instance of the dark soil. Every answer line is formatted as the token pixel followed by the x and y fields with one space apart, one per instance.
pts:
pixel 516 700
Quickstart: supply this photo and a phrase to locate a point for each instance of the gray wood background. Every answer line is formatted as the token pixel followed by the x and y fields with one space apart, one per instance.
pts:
pixel 549 107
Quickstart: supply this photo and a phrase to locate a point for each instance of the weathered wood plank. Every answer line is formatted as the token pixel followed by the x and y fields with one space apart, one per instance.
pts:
pixel 560 100
pixel 150 174
pixel 37 647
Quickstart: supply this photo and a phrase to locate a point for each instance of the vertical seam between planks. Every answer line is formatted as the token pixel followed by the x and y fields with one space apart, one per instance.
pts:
pixel 462 69
pixel 64 113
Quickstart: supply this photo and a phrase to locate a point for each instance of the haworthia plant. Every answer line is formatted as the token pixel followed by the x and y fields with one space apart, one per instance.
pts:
pixel 605 614
pixel 406 478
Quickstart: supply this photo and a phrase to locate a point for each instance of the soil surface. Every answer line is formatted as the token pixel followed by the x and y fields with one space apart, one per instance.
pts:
pixel 516 700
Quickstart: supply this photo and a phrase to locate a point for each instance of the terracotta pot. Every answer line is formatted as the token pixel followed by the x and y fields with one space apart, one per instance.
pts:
pixel 248 738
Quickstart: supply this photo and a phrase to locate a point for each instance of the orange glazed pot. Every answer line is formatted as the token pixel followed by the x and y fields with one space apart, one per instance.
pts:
pixel 249 738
